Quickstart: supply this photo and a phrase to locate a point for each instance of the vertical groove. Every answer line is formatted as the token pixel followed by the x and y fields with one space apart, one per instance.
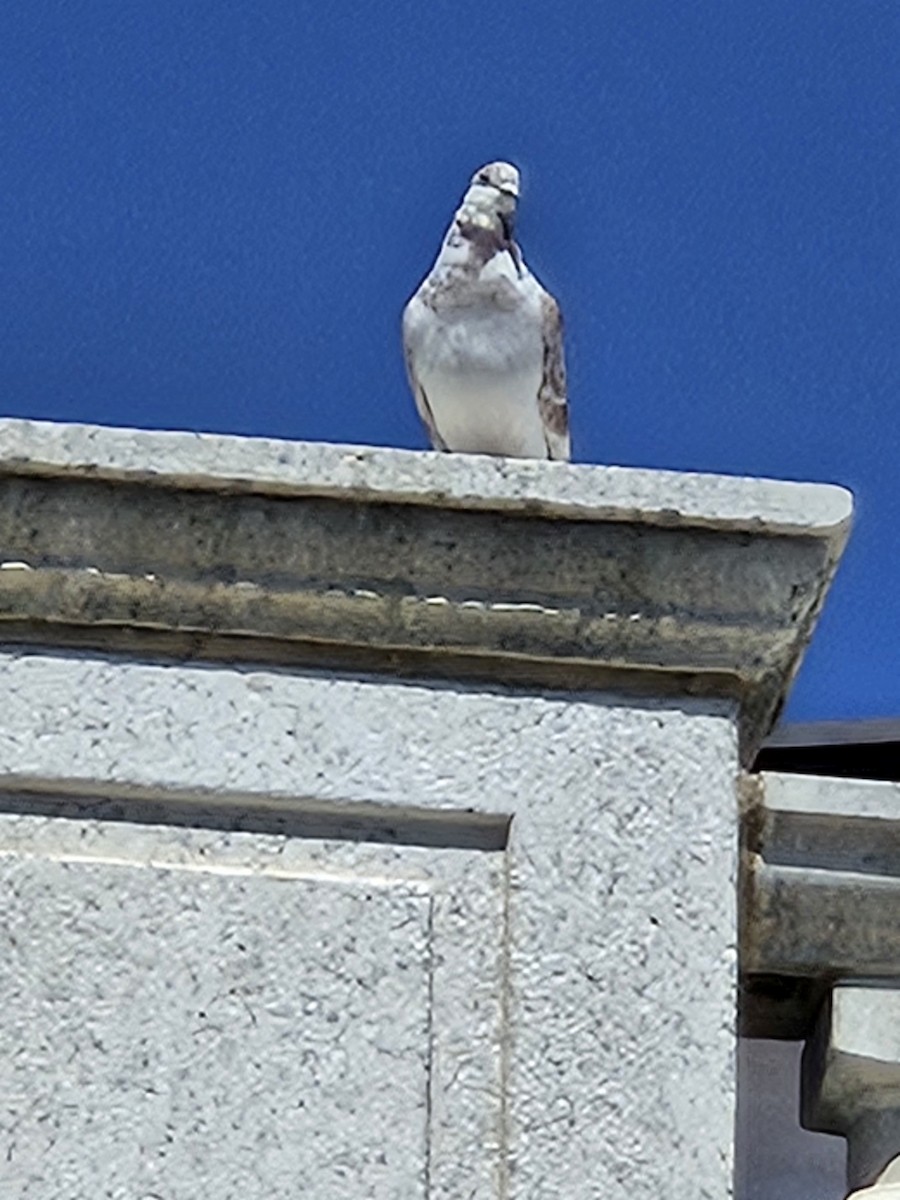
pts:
pixel 503 1174
pixel 429 1034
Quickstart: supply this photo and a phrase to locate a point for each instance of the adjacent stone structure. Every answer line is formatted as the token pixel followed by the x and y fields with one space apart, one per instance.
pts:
pixel 820 956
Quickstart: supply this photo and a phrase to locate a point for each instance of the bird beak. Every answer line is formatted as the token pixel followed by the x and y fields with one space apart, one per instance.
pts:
pixel 507 220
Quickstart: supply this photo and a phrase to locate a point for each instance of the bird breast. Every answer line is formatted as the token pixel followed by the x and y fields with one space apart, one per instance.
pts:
pixel 479 338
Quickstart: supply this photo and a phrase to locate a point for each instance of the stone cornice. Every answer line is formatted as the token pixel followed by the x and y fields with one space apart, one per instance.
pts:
pixel 526 573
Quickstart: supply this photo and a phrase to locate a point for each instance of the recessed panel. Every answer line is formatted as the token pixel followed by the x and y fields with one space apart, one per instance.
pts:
pixel 182 1034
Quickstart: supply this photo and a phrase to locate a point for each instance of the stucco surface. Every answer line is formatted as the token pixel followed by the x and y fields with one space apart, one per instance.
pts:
pixel 194 1034
pixel 618 925
pixel 194 1012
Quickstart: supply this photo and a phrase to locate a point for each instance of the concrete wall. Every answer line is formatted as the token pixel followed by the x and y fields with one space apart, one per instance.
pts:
pixel 547 1012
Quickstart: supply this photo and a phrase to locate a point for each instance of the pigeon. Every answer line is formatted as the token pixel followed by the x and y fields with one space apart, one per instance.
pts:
pixel 483 339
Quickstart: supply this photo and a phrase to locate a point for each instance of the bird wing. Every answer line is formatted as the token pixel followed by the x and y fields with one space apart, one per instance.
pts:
pixel 552 403
pixel 422 405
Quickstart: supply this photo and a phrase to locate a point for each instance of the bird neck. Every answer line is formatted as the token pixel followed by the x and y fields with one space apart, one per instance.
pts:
pixel 463 260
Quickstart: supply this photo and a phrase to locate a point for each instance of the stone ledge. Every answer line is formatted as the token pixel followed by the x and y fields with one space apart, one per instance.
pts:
pixel 519 572
pixel 268 466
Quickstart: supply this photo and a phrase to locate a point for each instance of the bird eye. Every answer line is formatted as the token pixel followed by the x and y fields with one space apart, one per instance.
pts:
pixel 483 179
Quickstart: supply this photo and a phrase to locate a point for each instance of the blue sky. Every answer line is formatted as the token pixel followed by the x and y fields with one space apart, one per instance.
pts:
pixel 212 215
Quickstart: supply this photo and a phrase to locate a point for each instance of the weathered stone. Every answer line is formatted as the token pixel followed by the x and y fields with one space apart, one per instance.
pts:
pixel 820 894
pixel 534 573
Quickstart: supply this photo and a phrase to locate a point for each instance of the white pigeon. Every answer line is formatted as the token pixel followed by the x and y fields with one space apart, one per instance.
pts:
pixel 482 338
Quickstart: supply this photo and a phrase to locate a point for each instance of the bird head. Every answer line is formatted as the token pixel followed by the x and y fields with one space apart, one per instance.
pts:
pixel 502 176
pixel 486 217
